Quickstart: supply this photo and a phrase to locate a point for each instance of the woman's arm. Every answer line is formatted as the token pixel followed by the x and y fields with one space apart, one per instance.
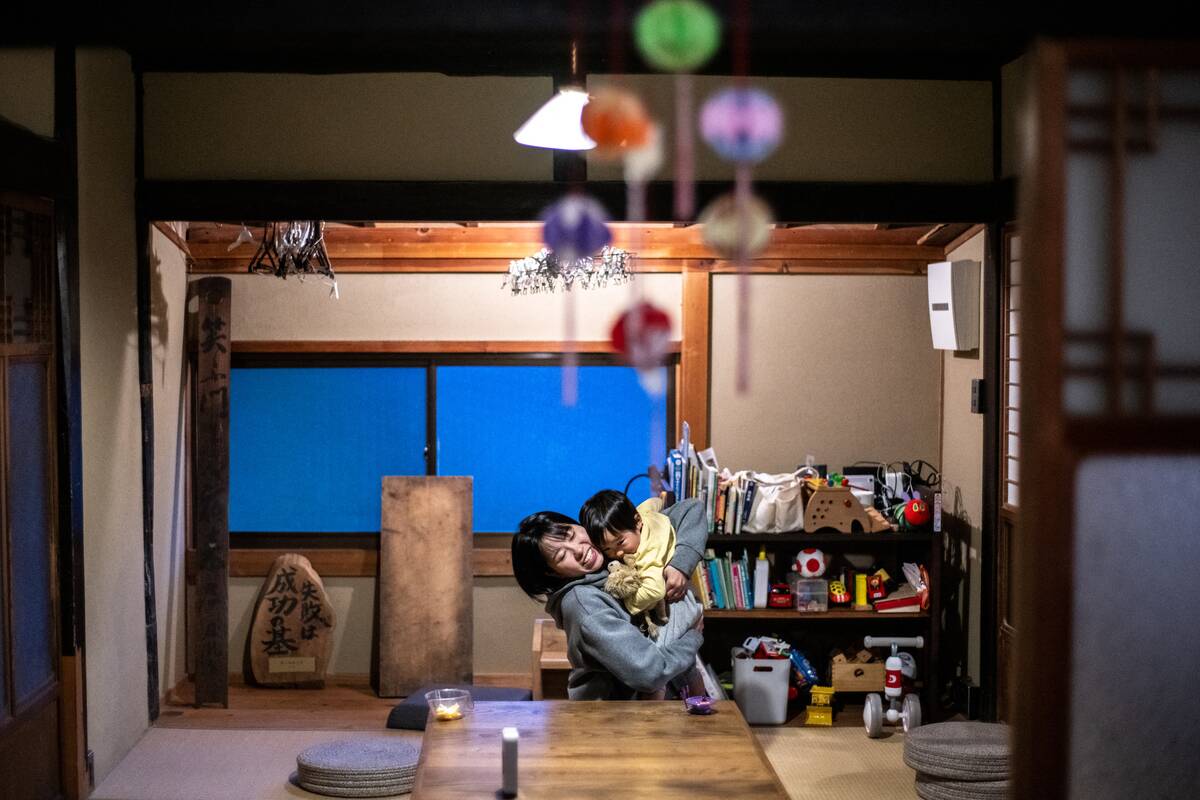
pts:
pixel 691 534
pixel 608 637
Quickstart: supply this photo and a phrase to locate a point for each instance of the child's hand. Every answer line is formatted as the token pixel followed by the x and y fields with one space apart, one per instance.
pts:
pixel 676 583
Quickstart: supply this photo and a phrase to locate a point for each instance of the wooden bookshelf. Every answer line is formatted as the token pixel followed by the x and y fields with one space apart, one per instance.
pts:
pixel 819 537
pixel 811 616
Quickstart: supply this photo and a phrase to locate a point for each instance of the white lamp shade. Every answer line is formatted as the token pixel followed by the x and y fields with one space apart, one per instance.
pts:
pixel 556 124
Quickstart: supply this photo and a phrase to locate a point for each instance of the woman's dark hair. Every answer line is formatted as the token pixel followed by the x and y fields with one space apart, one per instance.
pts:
pixel 607 510
pixel 530 569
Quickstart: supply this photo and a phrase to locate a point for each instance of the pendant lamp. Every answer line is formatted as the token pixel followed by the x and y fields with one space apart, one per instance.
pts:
pixel 556 124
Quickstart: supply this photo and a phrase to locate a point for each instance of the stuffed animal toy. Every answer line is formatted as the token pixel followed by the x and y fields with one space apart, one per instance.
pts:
pixel 810 563
pixel 623 582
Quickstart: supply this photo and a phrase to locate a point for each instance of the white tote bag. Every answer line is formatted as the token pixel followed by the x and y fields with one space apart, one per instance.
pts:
pixel 778 504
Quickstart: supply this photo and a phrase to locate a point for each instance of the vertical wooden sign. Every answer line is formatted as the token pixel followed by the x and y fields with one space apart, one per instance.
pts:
pixel 210 487
pixel 426 625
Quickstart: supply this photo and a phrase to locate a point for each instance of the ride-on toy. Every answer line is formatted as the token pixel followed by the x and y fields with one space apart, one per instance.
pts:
pixel 902 708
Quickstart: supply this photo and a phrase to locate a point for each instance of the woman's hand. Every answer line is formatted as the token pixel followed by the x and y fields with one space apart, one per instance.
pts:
pixel 676 583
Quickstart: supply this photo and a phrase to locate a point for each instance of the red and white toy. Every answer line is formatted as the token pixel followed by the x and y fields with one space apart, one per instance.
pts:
pixel 810 563
pixel 903 708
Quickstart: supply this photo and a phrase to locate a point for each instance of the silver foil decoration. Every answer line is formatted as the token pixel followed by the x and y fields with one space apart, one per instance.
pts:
pixel 545 272
pixel 294 248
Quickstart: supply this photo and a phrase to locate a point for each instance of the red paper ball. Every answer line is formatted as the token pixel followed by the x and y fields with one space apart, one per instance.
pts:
pixel 642 334
pixel 916 513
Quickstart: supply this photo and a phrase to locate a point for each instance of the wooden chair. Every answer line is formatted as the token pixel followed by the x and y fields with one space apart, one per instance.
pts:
pixel 550 666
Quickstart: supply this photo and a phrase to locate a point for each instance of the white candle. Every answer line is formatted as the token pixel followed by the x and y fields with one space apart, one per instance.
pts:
pixel 509 738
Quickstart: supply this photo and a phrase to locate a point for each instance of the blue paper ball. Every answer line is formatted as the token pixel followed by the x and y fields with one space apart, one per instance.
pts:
pixel 575 227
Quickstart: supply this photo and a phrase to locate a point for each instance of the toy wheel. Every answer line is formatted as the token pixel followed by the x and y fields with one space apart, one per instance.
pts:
pixel 911 712
pixel 873 716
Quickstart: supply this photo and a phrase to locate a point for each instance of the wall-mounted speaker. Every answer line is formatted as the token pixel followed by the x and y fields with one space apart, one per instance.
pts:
pixel 954 304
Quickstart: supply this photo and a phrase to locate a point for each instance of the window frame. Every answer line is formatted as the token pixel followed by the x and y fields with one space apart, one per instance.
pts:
pixel 374 354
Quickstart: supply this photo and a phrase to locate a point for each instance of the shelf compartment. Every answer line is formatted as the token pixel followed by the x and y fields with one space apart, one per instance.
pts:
pixel 821 537
pixel 819 616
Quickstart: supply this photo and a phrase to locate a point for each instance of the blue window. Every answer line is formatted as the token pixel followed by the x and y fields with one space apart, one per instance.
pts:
pixel 309 444
pixel 507 427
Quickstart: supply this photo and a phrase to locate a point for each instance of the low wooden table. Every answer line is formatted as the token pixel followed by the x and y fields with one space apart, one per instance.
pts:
pixel 578 749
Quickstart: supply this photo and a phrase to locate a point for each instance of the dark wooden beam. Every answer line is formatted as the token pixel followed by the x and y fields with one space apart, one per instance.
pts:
pixel 792 201
pixel 212 352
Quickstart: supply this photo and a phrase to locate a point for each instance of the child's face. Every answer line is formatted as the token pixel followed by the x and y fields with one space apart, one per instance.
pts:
pixel 622 543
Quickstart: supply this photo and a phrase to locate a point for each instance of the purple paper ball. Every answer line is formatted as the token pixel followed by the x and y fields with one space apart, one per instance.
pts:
pixel 575 227
pixel 741 124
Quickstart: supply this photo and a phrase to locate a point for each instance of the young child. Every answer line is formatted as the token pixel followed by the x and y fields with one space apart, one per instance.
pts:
pixel 642 540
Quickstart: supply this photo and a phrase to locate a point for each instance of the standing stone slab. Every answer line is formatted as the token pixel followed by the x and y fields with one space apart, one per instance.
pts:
pixel 425 584
pixel 291 636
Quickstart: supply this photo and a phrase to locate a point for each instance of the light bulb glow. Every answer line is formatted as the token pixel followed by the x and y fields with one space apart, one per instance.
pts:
pixel 556 124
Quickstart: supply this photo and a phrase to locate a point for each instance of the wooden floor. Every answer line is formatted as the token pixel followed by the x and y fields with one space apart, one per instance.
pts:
pixel 345 704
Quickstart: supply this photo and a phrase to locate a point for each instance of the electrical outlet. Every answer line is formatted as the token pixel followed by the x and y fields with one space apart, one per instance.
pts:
pixel 977 396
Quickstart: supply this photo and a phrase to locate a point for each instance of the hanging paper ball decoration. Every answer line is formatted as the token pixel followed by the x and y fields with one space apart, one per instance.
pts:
pixel 677 35
pixel 642 335
pixel 737 233
pixel 741 124
pixel 616 120
pixel 575 227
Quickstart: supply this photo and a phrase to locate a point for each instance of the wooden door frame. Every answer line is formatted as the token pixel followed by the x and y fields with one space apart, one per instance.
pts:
pixel 1054 444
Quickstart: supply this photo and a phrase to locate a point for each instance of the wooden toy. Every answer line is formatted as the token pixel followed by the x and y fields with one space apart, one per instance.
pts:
pixel 836 507
pixel 903 707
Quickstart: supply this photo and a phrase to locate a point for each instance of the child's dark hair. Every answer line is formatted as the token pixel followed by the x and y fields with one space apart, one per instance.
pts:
pixel 530 568
pixel 607 510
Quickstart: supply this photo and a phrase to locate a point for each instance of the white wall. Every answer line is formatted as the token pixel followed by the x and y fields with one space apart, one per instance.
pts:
pixel 169 295
pixel 962 464
pixel 115 638
pixel 27 88
pixel 364 127
pixel 840 367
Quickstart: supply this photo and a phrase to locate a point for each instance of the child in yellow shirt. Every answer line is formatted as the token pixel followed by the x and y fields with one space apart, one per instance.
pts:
pixel 640 538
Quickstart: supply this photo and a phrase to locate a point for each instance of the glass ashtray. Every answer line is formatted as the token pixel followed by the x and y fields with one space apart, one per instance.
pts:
pixel 448 704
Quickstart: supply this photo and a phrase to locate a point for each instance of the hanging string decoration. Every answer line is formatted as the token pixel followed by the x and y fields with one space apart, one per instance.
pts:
pixel 679 36
pixel 743 125
pixel 546 272
pixel 294 248
pixel 642 335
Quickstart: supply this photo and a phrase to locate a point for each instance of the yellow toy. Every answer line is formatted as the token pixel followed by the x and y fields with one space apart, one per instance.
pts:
pixel 820 707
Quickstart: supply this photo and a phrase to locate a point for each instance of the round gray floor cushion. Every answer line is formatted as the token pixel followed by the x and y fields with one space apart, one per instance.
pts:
pixel 959 751
pixel 931 788
pixel 374 767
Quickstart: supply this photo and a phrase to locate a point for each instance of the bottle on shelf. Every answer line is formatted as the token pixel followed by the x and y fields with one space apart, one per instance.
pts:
pixel 761 582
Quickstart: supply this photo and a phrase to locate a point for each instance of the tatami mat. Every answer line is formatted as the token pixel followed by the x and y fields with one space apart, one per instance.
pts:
pixel 177 764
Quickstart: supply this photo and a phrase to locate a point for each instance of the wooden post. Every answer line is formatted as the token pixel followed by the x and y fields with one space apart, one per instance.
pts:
pixel 210 483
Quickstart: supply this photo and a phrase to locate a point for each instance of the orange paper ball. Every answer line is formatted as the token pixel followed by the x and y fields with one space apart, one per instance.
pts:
pixel 616 120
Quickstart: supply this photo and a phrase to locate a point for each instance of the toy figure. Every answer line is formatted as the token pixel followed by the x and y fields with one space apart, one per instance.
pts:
pixel 838 595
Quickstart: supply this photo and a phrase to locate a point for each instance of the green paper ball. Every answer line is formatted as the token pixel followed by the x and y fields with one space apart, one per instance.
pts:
pixel 677 35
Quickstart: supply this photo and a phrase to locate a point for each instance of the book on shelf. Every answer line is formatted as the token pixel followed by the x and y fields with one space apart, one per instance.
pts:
pixel 700 586
pixel 903 599
pixel 722 499
pixel 714 579
pixel 748 505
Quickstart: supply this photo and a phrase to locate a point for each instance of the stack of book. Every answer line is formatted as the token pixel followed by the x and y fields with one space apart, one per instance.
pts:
pixel 725 582
pixel 727 498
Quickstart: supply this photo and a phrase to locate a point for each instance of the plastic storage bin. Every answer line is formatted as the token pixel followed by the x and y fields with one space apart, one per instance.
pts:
pixel 760 687
pixel 810 594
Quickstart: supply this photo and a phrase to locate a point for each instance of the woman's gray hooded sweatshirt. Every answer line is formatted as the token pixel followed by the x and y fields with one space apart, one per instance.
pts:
pixel 611 658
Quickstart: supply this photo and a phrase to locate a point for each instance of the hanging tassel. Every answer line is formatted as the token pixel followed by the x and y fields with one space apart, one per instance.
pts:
pixel 685 176
pixel 570 373
pixel 742 200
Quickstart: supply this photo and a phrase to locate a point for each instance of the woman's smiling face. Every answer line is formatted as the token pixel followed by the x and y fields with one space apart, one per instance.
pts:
pixel 573 556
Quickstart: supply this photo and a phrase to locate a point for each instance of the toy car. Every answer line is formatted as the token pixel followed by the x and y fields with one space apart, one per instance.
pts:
pixel 780 596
